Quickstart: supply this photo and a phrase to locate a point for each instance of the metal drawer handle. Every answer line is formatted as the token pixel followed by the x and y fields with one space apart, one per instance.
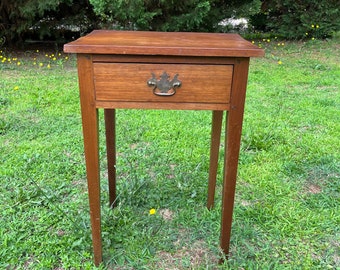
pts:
pixel 163 86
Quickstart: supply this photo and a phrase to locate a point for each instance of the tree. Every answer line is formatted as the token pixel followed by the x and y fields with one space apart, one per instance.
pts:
pixel 299 19
pixel 166 15
pixel 47 19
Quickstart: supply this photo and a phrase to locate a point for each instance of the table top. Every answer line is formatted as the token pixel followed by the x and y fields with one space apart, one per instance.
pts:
pixel 163 43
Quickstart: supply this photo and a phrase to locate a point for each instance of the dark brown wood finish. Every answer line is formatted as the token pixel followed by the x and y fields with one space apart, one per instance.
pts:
pixel 89 114
pixel 232 148
pixel 110 132
pixel 113 69
pixel 163 43
pixel 216 126
pixel 126 81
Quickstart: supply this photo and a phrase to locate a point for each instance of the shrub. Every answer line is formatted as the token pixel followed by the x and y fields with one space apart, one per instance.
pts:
pixel 165 15
pixel 299 19
pixel 48 19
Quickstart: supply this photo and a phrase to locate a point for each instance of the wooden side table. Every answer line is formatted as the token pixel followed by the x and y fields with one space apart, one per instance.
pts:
pixel 159 70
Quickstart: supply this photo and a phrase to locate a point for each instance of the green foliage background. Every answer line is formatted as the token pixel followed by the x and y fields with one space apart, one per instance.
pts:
pixel 300 19
pixel 64 20
pixel 43 20
pixel 161 15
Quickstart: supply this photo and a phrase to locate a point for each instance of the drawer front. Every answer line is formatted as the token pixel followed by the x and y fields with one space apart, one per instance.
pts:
pixel 129 82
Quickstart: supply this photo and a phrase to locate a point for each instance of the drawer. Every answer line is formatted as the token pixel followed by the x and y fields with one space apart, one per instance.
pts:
pixel 129 82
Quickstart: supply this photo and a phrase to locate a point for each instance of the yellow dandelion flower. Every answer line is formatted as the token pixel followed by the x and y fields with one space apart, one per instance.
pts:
pixel 41 64
pixel 34 63
pixel 48 66
pixel 317 26
pixel 66 57
pixel 16 88
pixel 312 25
pixel 152 211
pixel 306 34
pixel 18 63
pixel 279 62
pixel 46 55
pixel 59 54
pixel 54 58
pixel 37 51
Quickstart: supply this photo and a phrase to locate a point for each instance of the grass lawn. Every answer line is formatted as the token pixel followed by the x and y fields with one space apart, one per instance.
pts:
pixel 287 202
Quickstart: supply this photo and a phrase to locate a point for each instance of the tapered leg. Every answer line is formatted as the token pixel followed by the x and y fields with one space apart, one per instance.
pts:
pixel 214 152
pixel 110 128
pixel 232 148
pixel 229 181
pixel 93 182
pixel 90 131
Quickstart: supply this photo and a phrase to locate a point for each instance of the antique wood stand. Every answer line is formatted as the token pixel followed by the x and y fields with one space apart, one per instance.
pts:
pixel 168 71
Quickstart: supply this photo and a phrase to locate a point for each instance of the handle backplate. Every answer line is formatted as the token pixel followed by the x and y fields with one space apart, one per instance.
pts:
pixel 164 86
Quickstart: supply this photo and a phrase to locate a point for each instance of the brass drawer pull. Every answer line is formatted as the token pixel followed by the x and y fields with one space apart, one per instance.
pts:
pixel 163 86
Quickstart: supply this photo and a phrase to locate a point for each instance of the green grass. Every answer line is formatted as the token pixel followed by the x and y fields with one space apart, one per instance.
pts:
pixel 287 202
